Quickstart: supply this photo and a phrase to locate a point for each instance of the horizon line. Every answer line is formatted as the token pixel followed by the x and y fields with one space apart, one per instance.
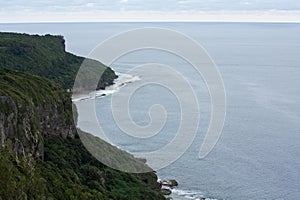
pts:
pixel 153 21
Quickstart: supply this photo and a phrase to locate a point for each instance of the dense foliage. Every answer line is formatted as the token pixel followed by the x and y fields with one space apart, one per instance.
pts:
pixel 26 89
pixel 68 171
pixel 65 170
pixel 35 161
pixel 30 107
pixel 45 56
pixel 19 176
pixel 73 173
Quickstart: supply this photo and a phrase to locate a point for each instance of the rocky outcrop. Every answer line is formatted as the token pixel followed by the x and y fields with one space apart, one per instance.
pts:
pixel 167 185
pixel 166 191
pixel 25 119
pixel 52 121
pixel 151 180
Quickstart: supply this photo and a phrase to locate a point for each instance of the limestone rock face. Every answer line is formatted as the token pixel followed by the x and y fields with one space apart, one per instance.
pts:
pixel 25 118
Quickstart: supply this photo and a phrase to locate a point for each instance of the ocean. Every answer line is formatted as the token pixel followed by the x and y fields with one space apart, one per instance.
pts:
pixel 257 155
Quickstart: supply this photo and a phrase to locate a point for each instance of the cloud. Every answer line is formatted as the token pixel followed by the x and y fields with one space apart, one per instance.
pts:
pixel 154 16
pixel 186 1
pixel 90 5
pixel 152 5
pixel 22 8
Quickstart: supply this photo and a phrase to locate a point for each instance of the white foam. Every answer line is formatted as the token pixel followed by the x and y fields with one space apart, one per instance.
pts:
pixel 188 194
pixel 82 97
pixel 120 82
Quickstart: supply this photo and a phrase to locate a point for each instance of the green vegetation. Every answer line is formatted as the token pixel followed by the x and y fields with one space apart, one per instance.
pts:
pixel 19 176
pixel 41 155
pixel 30 107
pixel 68 171
pixel 112 156
pixel 72 173
pixel 26 89
pixel 45 56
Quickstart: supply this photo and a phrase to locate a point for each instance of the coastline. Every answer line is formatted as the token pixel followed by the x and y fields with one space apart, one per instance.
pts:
pixel 123 80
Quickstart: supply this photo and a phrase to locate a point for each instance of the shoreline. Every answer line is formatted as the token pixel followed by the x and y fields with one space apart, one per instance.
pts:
pixel 122 81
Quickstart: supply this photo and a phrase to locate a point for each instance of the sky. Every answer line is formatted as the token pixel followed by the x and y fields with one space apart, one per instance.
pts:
pixel 148 10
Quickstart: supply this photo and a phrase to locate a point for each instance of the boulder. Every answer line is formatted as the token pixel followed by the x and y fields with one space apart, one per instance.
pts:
pixel 166 191
pixel 169 183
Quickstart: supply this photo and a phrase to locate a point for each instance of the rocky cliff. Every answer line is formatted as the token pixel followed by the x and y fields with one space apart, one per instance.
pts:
pixel 42 156
pixel 32 107
pixel 45 56
pixel 36 123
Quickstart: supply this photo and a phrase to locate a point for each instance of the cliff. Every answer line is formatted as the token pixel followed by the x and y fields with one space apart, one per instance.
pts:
pixel 42 156
pixel 32 107
pixel 36 123
pixel 45 56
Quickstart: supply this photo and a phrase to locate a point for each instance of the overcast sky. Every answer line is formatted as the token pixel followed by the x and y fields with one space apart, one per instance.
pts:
pixel 149 10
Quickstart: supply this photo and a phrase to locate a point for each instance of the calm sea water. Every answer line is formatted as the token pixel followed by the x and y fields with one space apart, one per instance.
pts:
pixel 257 156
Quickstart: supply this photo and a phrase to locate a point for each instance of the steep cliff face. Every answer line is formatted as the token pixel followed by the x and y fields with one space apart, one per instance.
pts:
pixel 18 125
pixel 36 122
pixel 45 56
pixel 30 108
pixel 42 156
